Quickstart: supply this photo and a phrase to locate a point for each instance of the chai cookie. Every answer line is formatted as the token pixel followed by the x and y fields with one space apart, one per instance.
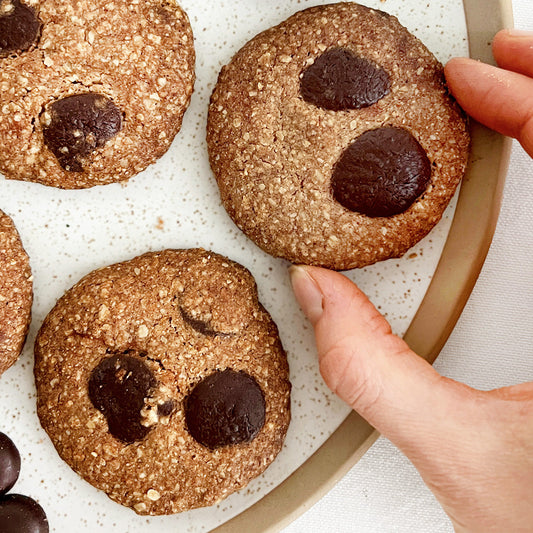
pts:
pixel 162 380
pixel 16 293
pixel 92 91
pixel 333 138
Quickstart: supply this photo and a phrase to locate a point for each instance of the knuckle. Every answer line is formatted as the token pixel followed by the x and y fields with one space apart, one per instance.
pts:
pixel 348 379
pixel 376 324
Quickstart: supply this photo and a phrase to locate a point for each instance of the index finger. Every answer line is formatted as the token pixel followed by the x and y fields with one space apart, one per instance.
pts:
pixel 497 98
pixel 513 50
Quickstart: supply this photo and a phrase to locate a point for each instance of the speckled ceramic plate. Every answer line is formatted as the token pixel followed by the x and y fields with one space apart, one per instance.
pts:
pixel 175 204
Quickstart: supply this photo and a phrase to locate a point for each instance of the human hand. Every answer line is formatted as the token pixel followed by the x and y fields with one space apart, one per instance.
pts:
pixel 474 449
pixel 500 98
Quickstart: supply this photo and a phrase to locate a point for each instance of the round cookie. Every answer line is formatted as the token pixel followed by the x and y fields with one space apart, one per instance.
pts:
pixel 16 293
pixel 333 139
pixel 162 380
pixel 92 92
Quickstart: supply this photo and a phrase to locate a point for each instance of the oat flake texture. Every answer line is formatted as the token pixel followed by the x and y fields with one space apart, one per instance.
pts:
pixel 273 153
pixel 15 293
pixel 138 322
pixel 137 54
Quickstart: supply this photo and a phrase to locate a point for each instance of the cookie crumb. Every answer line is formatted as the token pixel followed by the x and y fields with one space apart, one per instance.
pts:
pixel 140 507
pixel 153 495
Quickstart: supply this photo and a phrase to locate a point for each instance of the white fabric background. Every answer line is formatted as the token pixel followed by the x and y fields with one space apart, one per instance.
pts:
pixel 490 347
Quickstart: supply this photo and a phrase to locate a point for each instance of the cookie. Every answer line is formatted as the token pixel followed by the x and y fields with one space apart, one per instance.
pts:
pixel 92 92
pixel 333 138
pixel 162 380
pixel 16 293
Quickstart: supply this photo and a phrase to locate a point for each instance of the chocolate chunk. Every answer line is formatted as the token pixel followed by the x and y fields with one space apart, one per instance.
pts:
pixel 225 408
pixel 381 173
pixel 9 463
pixel 20 514
pixel 118 387
pixel 19 27
pixel 340 80
pixel 75 126
pixel 200 326
pixel 165 409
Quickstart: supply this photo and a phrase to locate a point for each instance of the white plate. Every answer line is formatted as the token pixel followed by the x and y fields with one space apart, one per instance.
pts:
pixel 175 204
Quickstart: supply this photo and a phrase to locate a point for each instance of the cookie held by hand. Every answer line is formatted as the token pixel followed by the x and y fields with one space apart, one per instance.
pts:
pixel 162 380
pixel 333 138
pixel 92 92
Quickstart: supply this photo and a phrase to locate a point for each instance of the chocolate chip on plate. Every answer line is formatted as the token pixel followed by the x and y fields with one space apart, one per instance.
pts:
pixel 9 463
pixel 75 126
pixel 19 27
pixel 225 408
pixel 21 514
pixel 381 173
pixel 118 387
pixel 339 80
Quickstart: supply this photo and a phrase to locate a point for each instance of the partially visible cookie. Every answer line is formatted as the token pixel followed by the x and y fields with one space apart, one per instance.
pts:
pixel 162 380
pixel 333 138
pixel 16 293
pixel 91 91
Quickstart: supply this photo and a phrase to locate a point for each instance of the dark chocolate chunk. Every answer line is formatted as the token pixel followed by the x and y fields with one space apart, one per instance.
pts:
pixel 225 408
pixel 340 80
pixel 9 463
pixel 75 126
pixel 19 27
pixel 118 387
pixel 165 409
pixel 200 326
pixel 20 514
pixel 381 173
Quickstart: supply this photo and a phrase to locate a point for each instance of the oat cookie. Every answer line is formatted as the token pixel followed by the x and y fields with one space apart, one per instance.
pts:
pixel 91 91
pixel 162 380
pixel 16 293
pixel 333 138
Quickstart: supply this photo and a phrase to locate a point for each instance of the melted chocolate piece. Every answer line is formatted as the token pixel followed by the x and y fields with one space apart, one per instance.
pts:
pixel 165 409
pixel 20 514
pixel 200 326
pixel 339 80
pixel 381 173
pixel 225 408
pixel 118 387
pixel 75 126
pixel 19 27
pixel 9 463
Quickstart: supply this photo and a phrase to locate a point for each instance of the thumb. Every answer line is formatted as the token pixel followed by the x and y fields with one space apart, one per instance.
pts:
pixel 373 370
pixel 472 448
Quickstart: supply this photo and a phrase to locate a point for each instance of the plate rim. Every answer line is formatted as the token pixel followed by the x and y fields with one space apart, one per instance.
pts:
pixel 462 258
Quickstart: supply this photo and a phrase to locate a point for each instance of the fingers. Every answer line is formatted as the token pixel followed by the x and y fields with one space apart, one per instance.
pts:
pixel 519 393
pixel 472 448
pixel 371 369
pixel 500 99
pixel 513 50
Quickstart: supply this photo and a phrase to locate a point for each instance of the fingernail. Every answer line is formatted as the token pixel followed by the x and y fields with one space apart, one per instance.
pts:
pixel 513 32
pixel 307 293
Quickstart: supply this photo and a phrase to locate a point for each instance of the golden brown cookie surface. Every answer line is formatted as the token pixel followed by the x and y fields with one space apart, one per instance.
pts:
pixel 15 293
pixel 333 139
pixel 162 380
pixel 92 92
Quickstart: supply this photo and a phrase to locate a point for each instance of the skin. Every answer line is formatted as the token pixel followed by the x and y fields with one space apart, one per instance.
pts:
pixel 474 449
